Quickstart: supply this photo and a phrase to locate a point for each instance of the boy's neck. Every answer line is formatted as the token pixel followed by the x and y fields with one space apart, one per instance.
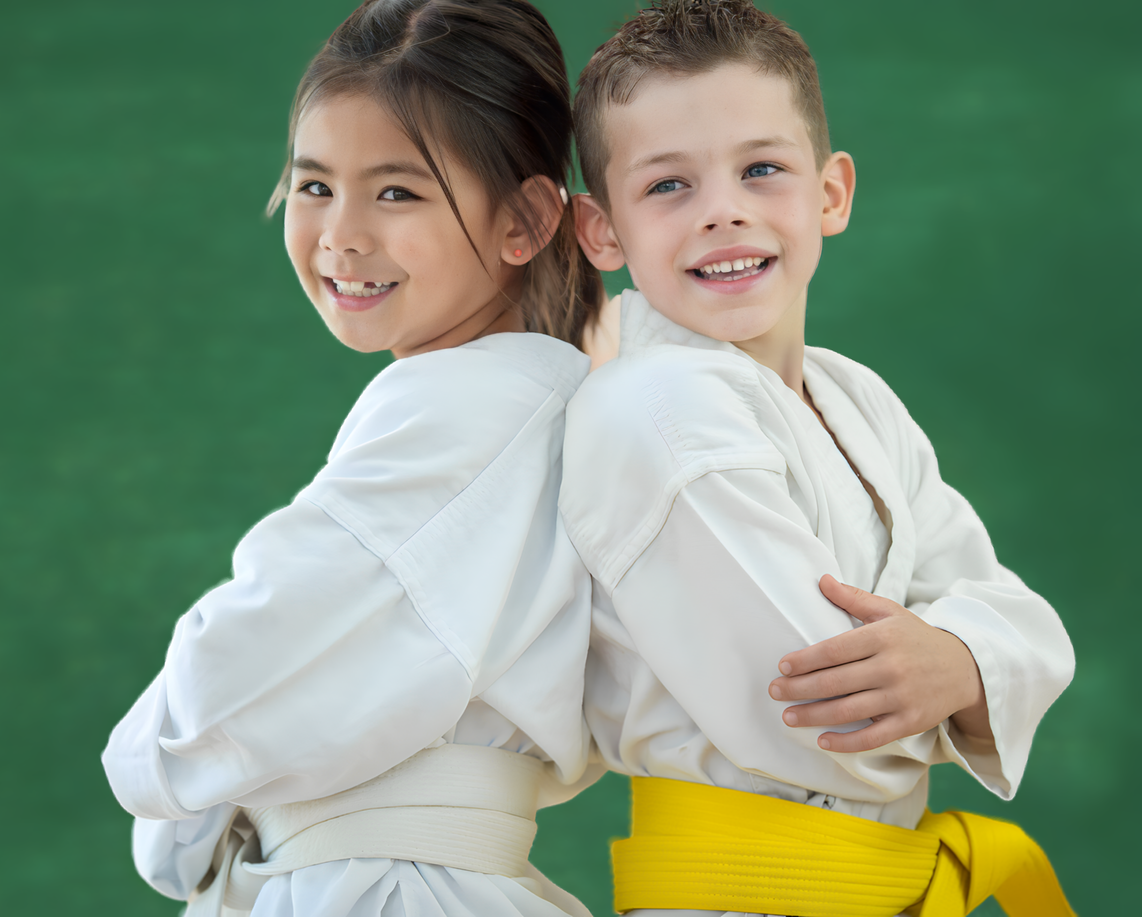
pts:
pixel 782 348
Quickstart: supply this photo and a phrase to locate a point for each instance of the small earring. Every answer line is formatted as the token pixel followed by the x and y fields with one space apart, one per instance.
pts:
pixel 563 194
pixel 519 252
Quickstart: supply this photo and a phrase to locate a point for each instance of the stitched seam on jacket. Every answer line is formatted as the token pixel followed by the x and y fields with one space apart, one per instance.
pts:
pixel 393 558
pixel 689 471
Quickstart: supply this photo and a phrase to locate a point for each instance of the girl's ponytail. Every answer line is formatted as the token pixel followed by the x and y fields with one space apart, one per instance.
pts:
pixel 562 290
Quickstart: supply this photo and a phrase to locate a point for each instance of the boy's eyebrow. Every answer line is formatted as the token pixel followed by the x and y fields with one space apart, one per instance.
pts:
pixel 658 159
pixel 765 143
pixel 676 156
pixel 400 167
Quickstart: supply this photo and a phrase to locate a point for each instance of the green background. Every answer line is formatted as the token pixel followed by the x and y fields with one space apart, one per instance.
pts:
pixel 166 383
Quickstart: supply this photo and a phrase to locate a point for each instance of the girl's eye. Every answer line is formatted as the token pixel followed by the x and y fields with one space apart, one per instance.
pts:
pixel 397 194
pixel 665 187
pixel 316 188
pixel 760 170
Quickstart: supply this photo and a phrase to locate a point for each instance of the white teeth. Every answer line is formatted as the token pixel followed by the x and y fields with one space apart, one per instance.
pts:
pixel 735 266
pixel 358 288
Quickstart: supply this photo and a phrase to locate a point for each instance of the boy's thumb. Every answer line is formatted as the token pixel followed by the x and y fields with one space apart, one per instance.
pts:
pixel 855 601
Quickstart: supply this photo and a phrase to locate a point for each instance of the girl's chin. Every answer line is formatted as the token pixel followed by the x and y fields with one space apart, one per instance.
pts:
pixel 356 334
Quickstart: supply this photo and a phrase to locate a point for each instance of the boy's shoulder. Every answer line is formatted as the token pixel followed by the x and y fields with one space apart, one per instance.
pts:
pixel 641 428
pixel 684 402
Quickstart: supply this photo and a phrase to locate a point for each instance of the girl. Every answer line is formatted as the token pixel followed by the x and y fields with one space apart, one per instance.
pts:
pixel 364 720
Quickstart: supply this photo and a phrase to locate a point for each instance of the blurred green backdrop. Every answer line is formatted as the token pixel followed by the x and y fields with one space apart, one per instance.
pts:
pixel 166 383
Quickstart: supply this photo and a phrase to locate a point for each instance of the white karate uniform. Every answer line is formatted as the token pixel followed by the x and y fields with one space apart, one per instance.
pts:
pixel 420 589
pixel 707 501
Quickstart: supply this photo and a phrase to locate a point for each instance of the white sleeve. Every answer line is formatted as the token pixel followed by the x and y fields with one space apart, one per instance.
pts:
pixel 1024 656
pixel 306 674
pixel 174 856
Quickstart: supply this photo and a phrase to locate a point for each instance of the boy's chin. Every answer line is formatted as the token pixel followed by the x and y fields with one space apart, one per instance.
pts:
pixel 723 321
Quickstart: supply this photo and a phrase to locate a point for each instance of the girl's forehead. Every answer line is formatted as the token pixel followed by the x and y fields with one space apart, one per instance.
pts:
pixel 353 131
pixel 346 112
pixel 352 128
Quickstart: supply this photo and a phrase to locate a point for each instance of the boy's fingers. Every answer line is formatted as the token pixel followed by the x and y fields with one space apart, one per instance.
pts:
pixel 850 646
pixel 874 735
pixel 839 711
pixel 860 604
pixel 835 681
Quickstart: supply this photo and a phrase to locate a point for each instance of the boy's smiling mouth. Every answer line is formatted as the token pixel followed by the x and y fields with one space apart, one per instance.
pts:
pixel 732 270
pixel 735 269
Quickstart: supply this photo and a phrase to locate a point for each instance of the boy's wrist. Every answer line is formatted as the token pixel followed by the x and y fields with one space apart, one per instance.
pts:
pixel 973 719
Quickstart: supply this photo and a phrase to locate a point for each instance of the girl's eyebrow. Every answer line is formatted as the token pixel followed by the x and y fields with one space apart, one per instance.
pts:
pixel 399 167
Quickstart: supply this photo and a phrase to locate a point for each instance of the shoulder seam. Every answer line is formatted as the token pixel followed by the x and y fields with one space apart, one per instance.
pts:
pixel 394 556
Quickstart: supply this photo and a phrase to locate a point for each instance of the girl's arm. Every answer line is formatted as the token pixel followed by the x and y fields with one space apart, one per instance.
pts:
pixel 174 856
pixel 308 673
pixel 410 576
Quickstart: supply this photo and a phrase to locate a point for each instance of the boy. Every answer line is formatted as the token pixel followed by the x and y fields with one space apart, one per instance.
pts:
pixel 735 494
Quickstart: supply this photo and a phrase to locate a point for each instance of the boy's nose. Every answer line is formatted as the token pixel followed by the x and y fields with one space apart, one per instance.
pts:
pixel 724 208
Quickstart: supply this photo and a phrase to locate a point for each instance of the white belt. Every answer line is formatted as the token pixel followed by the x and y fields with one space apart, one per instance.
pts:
pixel 465 806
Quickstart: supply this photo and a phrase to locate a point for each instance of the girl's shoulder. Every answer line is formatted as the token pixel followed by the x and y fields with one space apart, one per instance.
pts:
pixel 478 392
pixel 472 430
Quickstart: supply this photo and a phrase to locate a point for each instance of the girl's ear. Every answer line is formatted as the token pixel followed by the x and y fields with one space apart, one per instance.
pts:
pixel 838 184
pixel 596 234
pixel 545 202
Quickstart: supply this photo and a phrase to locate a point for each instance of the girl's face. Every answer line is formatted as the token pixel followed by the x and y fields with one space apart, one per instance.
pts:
pixel 376 246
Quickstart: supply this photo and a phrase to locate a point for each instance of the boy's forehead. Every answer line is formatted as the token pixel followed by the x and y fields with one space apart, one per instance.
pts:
pixel 672 115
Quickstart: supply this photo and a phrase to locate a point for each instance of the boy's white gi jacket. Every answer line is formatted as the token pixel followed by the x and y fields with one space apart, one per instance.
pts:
pixel 707 501
pixel 421 587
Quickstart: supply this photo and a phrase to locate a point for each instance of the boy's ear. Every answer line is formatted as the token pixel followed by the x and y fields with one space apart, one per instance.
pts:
pixel 596 234
pixel 838 184
pixel 542 196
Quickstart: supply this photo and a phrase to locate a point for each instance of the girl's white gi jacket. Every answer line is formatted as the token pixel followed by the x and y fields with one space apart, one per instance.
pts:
pixel 422 587
pixel 707 501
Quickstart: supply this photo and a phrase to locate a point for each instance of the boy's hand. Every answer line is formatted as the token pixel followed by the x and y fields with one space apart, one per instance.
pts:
pixel 904 675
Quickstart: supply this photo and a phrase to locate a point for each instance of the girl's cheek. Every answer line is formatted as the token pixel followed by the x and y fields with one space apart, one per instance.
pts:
pixel 299 241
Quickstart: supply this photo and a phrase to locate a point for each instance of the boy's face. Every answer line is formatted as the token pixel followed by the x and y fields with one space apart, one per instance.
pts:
pixel 716 204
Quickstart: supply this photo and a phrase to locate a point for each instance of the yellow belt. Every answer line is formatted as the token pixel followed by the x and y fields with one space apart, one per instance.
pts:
pixel 708 848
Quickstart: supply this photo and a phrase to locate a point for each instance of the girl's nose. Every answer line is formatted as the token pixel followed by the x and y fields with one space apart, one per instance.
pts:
pixel 347 231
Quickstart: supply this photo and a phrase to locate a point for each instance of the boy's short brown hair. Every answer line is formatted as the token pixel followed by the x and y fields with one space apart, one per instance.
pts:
pixel 690 37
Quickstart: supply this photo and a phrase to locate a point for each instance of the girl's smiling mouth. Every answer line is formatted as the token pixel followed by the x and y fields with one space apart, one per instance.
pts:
pixel 357 295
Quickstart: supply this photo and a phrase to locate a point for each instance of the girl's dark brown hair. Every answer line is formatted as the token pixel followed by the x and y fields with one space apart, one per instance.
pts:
pixel 485 80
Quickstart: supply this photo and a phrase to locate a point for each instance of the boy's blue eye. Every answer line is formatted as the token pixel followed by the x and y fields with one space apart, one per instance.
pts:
pixel 665 187
pixel 760 170
pixel 397 194
pixel 316 188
